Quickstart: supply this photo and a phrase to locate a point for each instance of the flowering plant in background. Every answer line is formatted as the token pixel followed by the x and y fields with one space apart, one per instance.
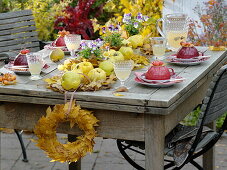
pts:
pixel 44 13
pixel 134 24
pixel 91 49
pixel 112 35
pixel 152 9
pixel 212 24
pixel 77 19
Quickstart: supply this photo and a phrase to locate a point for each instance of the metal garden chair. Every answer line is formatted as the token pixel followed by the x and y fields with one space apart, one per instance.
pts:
pixel 17 31
pixel 194 141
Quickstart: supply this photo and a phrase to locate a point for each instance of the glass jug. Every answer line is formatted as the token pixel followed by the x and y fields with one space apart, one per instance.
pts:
pixel 175 29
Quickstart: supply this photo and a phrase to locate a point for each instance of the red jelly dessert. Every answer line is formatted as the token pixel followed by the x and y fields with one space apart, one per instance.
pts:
pixel 21 59
pixel 159 72
pixel 60 42
pixel 187 51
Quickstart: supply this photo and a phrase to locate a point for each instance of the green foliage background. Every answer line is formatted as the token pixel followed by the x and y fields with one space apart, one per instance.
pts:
pixel 191 118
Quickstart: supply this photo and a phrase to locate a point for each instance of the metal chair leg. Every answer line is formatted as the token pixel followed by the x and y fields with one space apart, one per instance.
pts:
pixel 19 135
pixel 122 148
pixel 196 165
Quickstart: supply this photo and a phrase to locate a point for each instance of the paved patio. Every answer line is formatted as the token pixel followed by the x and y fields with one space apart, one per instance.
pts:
pixel 105 156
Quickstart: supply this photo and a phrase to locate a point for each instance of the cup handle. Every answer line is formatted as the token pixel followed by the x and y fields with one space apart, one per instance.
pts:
pixel 171 71
pixel 158 28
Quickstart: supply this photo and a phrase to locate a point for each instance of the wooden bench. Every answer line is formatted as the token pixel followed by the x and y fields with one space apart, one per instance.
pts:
pixel 18 31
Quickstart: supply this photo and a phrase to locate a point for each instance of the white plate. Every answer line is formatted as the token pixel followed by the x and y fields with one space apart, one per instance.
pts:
pixel 194 59
pixel 153 85
pixel 172 78
pixel 21 70
pixel 187 62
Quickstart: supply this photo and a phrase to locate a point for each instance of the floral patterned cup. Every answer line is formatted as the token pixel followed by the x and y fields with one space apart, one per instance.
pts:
pixel 35 64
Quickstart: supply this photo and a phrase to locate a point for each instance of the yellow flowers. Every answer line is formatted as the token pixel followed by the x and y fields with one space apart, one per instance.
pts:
pixel 150 8
pixel 45 13
pixel 45 130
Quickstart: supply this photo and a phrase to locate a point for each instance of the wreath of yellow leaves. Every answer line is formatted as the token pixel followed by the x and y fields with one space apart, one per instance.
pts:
pixel 47 140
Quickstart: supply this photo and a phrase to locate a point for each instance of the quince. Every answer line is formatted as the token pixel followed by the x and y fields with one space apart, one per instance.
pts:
pixel 136 40
pixel 126 42
pixel 109 53
pixel 107 66
pixel 127 52
pixel 84 66
pixel 97 74
pixel 70 80
pixel 56 55
pixel 117 56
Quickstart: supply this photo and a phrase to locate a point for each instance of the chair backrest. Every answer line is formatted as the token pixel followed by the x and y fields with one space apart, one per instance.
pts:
pixel 215 103
pixel 18 31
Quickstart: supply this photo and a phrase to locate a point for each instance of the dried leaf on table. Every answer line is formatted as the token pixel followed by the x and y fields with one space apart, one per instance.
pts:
pixel 52 80
pixel 146 49
pixel 140 61
pixel 117 94
pixel 54 84
pixel 121 89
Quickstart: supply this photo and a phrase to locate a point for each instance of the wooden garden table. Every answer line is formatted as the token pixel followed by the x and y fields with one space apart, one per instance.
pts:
pixel 143 114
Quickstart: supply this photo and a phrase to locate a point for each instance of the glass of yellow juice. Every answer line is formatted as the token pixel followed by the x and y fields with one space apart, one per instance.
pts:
pixel 35 64
pixel 72 42
pixel 123 70
pixel 158 47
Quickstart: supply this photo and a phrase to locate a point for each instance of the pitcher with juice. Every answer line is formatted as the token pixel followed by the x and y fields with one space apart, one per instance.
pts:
pixel 175 29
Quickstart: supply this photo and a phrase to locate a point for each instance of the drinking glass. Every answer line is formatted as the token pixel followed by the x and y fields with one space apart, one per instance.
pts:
pixel 175 29
pixel 35 64
pixel 72 42
pixel 158 47
pixel 123 70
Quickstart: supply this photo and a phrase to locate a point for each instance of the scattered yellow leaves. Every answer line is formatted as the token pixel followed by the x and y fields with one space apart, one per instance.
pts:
pixel 139 61
pixel 220 48
pixel 47 140
pixel 54 83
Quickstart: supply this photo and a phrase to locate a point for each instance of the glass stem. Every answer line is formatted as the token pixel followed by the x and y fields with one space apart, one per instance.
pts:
pixel 72 53
pixel 122 83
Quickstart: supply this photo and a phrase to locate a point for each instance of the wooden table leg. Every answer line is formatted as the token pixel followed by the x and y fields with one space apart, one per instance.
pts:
pixel 209 156
pixel 154 142
pixel 74 165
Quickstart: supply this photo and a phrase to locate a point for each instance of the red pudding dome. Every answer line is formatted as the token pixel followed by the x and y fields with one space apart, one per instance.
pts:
pixel 60 42
pixel 187 51
pixel 21 59
pixel 158 72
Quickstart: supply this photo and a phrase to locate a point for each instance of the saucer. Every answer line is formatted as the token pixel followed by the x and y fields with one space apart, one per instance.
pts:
pixel 191 61
pixel 21 70
pixel 158 83
pixel 50 47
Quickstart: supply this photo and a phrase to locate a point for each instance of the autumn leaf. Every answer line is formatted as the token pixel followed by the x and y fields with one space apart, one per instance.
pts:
pixel 117 94
pixel 47 140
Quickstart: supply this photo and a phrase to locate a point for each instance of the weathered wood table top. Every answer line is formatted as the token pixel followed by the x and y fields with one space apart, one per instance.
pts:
pixel 143 114
pixel 139 99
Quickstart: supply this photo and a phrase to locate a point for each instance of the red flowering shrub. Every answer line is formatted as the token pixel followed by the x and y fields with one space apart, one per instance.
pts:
pixel 77 19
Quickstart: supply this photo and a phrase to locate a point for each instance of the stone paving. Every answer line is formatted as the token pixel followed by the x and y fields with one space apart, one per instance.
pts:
pixel 105 156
